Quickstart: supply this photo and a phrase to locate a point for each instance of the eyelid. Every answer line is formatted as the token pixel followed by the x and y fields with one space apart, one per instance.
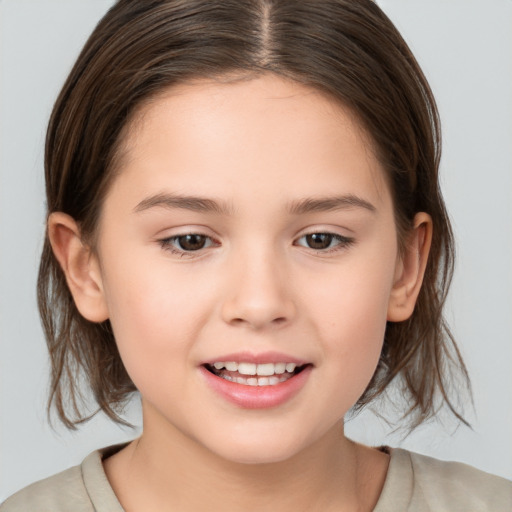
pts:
pixel 343 241
pixel 167 243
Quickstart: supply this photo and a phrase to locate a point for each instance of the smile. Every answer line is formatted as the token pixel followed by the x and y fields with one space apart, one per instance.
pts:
pixel 256 382
pixel 251 374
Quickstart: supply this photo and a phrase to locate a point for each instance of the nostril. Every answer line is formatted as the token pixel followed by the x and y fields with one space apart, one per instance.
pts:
pixel 257 312
pixel 256 321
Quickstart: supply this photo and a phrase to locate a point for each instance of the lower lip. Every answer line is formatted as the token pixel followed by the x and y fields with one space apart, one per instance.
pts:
pixel 257 397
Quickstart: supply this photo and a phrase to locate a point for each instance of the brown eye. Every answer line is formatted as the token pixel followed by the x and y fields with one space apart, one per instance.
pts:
pixel 324 242
pixel 319 240
pixel 184 245
pixel 191 242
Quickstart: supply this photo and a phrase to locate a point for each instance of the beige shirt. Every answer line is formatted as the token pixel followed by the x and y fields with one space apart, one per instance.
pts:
pixel 414 483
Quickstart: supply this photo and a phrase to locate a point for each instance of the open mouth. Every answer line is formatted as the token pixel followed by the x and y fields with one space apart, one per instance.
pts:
pixel 251 374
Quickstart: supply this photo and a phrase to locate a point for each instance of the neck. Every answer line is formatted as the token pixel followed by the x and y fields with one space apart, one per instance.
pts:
pixel 172 472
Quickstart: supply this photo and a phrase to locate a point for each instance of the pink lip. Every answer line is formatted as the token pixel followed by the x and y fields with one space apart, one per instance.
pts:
pixel 263 357
pixel 257 397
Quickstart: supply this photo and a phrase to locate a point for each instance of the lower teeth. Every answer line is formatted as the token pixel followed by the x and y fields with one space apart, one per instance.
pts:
pixel 257 381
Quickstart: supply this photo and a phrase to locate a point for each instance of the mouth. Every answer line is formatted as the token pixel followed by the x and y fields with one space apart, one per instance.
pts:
pixel 261 381
pixel 252 374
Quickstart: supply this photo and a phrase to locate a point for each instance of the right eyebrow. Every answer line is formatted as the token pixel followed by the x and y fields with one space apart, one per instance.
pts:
pixel 193 203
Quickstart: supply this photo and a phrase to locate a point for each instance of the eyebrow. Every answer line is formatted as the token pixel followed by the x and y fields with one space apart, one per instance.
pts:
pixel 193 203
pixel 330 203
pixel 207 205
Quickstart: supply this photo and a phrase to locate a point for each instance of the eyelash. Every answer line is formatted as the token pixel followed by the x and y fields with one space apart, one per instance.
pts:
pixel 343 242
pixel 167 243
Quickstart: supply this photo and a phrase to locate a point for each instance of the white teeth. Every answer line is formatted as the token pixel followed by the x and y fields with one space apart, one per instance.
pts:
pixel 290 367
pixel 266 369
pixel 247 368
pixel 263 369
pixel 273 381
pixel 252 381
pixel 263 381
pixel 279 368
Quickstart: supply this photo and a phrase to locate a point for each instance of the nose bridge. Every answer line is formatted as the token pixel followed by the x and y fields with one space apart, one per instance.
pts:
pixel 259 291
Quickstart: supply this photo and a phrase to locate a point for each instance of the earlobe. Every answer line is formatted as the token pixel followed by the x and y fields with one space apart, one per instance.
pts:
pixel 410 270
pixel 80 266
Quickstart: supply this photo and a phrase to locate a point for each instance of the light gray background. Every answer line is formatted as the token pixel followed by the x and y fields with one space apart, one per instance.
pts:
pixel 465 49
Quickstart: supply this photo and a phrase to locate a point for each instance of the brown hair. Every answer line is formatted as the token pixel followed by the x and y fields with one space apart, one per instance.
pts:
pixel 348 49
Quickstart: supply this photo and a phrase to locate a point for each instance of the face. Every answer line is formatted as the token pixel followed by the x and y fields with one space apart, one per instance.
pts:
pixel 248 253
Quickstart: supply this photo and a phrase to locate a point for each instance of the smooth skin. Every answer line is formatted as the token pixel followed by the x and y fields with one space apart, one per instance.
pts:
pixel 272 162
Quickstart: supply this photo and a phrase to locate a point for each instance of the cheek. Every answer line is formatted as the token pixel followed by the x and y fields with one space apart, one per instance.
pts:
pixel 355 340
pixel 153 313
pixel 351 313
pixel 352 299
pixel 145 293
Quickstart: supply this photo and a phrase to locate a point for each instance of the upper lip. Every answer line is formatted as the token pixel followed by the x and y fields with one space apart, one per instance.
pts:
pixel 256 358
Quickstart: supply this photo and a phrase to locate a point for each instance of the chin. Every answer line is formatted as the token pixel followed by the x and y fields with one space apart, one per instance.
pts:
pixel 264 450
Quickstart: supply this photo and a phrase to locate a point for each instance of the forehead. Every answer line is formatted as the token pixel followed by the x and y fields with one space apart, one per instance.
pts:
pixel 268 131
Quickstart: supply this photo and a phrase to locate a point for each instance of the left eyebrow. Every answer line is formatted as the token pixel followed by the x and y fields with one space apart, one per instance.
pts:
pixel 325 204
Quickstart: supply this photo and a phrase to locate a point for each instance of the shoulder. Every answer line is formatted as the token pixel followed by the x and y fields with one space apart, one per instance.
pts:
pixel 453 486
pixel 83 488
pixel 56 493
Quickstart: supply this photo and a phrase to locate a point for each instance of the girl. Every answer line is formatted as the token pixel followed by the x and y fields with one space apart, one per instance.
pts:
pixel 245 226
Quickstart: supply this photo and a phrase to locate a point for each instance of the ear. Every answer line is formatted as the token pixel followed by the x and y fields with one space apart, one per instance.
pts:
pixel 80 266
pixel 410 270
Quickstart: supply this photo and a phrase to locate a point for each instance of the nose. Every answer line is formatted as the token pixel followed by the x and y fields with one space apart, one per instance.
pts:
pixel 260 293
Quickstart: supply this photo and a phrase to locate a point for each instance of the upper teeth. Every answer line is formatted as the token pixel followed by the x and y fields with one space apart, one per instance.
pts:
pixel 264 369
